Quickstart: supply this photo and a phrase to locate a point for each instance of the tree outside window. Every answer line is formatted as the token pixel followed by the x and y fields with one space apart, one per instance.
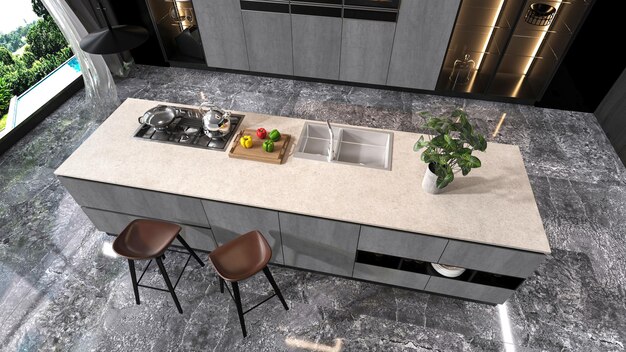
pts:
pixel 28 54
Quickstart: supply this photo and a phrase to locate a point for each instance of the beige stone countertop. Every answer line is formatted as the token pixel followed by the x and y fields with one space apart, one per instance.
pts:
pixel 493 205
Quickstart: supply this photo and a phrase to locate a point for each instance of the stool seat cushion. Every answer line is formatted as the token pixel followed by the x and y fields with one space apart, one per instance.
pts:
pixel 145 239
pixel 242 257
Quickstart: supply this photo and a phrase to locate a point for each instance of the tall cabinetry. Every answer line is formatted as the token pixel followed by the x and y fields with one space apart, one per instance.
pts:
pixel 366 50
pixel 420 43
pixel 316 34
pixel 221 28
pixel 267 27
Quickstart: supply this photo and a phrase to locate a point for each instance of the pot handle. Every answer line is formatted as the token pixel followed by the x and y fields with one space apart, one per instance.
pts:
pixel 139 119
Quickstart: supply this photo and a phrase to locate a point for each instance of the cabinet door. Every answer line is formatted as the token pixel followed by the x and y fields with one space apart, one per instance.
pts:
pixel 110 222
pixel 469 290
pixel 422 36
pixel 491 259
pixel 135 201
pixel 268 39
pixel 229 221
pixel 401 244
pixel 319 244
pixel 390 276
pixel 366 50
pixel 316 45
pixel 221 30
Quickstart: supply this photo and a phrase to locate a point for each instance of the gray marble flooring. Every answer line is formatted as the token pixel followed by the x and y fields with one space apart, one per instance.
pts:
pixel 60 291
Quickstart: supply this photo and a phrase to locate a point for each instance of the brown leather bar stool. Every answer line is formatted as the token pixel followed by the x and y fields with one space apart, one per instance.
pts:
pixel 240 259
pixel 149 239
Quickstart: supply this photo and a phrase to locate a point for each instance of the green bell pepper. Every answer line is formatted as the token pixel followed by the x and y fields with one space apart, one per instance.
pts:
pixel 274 135
pixel 268 146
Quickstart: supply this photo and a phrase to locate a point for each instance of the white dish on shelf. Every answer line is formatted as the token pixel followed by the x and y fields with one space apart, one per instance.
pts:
pixel 448 270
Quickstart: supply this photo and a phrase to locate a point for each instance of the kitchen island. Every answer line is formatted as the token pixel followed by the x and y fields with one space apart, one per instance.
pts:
pixel 369 224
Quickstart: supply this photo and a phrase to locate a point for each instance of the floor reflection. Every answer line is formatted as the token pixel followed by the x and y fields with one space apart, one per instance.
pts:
pixel 314 346
pixel 505 328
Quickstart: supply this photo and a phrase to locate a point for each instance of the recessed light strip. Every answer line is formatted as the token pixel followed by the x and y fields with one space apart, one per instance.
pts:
pixel 540 40
pixel 488 39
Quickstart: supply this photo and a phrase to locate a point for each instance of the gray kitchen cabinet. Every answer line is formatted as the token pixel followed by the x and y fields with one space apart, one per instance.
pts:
pixel 422 35
pixel 319 244
pixel 113 223
pixel 469 290
pixel 316 46
pixel 229 221
pixel 268 39
pixel 497 260
pixel 221 29
pixel 401 244
pixel 390 276
pixel 140 202
pixel 366 50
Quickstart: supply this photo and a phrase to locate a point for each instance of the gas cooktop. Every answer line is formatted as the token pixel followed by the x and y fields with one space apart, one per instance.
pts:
pixel 186 130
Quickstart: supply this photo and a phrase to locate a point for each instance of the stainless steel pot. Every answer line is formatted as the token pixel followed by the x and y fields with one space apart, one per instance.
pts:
pixel 215 121
pixel 159 117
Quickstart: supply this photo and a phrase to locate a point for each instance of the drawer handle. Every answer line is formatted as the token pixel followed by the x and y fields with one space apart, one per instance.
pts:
pixel 264 6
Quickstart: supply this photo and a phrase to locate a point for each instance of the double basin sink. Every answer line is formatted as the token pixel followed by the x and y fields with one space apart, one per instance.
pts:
pixel 350 145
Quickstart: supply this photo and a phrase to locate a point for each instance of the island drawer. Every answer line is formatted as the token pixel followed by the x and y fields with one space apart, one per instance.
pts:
pixel 390 276
pixel 401 244
pixel 491 259
pixel 196 237
pixel 469 290
pixel 322 245
pixel 136 201
pixel 229 221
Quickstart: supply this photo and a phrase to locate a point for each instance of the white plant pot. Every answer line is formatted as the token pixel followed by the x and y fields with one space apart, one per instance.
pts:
pixel 429 183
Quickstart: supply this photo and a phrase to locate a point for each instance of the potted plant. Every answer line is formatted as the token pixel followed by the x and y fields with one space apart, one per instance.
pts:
pixel 449 150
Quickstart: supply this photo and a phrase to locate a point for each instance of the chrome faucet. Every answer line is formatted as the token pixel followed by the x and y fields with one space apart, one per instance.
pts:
pixel 331 151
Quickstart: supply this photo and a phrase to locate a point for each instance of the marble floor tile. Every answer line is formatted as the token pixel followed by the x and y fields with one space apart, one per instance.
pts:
pixel 60 289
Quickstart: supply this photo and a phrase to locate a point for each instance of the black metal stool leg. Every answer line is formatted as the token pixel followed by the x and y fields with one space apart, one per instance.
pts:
pixel 239 307
pixel 133 277
pixel 270 278
pixel 168 283
pixel 221 285
pixel 191 251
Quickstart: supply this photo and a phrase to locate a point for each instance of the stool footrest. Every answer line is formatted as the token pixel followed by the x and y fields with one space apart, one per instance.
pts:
pixel 177 279
pixel 256 305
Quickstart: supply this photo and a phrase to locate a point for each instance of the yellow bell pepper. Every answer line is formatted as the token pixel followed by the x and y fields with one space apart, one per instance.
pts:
pixel 246 141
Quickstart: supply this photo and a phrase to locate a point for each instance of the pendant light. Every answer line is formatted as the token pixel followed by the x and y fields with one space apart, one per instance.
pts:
pixel 113 39
pixel 540 14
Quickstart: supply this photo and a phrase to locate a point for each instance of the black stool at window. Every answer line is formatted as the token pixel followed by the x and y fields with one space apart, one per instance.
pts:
pixel 149 239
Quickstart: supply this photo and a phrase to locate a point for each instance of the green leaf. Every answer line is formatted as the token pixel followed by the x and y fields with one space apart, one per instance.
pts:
pixel 473 161
pixel 444 181
pixel 421 143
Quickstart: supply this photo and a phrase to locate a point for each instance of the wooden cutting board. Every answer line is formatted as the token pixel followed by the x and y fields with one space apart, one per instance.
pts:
pixel 256 152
